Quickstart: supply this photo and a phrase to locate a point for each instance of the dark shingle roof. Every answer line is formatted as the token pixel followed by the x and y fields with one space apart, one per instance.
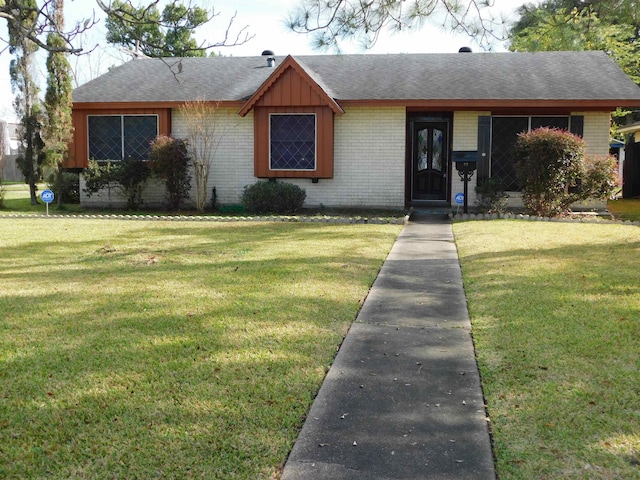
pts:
pixel 459 76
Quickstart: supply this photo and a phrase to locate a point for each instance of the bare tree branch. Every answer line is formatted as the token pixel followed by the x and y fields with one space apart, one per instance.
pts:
pixel 45 24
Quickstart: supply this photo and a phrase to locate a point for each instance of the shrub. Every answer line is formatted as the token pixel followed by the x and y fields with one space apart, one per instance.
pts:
pixel 491 196
pixel 68 191
pixel 601 177
pixel 551 168
pixel 170 162
pixel 273 197
pixel 129 176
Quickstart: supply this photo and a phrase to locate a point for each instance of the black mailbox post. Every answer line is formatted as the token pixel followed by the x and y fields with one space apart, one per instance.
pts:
pixel 466 163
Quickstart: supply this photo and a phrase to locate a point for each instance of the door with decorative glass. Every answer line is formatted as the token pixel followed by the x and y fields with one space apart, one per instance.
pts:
pixel 429 160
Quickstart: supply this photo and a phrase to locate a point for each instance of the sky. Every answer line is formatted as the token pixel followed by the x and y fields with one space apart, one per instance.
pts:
pixel 264 19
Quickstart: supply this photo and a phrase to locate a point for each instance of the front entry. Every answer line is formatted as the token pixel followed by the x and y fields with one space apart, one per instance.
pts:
pixel 429 160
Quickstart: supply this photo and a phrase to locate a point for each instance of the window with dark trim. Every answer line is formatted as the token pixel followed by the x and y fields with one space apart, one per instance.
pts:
pixel 116 137
pixel 504 134
pixel 292 141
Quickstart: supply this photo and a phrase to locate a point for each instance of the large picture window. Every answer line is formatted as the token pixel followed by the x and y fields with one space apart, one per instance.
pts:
pixel 116 137
pixel 292 141
pixel 504 134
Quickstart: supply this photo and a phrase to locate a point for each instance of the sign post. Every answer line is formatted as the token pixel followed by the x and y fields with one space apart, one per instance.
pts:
pixel 459 198
pixel 47 197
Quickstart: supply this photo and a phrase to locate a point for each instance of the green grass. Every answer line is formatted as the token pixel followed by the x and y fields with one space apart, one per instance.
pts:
pixel 17 201
pixel 556 321
pixel 169 350
pixel 625 209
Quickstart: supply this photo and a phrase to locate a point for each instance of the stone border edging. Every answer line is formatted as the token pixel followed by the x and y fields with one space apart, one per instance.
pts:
pixel 531 218
pixel 207 218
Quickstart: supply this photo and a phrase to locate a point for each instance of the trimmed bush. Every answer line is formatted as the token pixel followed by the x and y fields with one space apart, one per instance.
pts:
pixel 551 169
pixel 273 197
pixel 129 176
pixel 170 162
pixel 601 177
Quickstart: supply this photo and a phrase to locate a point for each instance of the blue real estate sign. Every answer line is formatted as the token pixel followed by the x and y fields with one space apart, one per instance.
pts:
pixel 47 196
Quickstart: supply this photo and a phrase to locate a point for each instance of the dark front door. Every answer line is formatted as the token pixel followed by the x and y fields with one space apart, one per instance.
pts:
pixel 429 160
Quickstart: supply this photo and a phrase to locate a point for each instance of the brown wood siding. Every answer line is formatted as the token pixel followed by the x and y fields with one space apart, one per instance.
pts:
pixel 324 143
pixel 79 147
pixel 291 90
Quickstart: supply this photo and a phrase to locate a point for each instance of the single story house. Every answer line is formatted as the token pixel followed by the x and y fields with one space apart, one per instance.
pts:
pixel 352 130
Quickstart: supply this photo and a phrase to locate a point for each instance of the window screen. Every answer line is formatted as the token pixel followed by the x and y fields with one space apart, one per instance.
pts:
pixel 292 142
pixel 115 137
pixel 504 134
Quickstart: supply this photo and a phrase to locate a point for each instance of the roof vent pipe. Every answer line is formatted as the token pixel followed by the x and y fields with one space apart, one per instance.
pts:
pixel 465 50
pixel 271 58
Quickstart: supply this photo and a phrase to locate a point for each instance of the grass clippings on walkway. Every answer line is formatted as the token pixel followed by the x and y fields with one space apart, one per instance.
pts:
pixel 556 322
pixel 169 350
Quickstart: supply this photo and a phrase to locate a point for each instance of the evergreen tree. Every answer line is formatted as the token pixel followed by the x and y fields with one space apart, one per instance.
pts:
pixel 26 103
pixel 58 102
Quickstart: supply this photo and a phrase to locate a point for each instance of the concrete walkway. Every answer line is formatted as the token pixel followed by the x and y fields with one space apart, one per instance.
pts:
pixel 403 397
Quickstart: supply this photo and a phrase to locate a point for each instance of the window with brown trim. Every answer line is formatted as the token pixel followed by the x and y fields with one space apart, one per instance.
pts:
pixel 116 137
pixel 292 141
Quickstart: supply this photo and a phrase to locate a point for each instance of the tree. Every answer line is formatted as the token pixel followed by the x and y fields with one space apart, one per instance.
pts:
pixel 58 128
pixel 204 133
pixel 152 34
pixel 26 103
pixel 3 143
pixel 42 23
pixel 332 22
pixel 612 26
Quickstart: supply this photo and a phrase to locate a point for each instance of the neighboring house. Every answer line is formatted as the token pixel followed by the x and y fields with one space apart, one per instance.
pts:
pixel 631 168
pixel 11 149
pixel 353 130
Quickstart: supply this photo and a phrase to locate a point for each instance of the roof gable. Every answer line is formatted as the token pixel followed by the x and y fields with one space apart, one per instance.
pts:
pixel 291 85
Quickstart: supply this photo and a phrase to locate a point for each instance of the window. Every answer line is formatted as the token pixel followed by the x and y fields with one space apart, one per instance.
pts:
pixel 504 134
pixel 116 137
pixel 292 141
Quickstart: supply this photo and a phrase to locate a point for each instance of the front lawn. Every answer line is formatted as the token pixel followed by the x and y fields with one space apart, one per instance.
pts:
pixel 556 321
pixel 169 350
pixel 625 209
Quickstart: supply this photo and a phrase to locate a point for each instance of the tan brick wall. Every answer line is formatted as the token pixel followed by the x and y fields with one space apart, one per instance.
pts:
pixel 232 164
pixel 465 137
pixel 596 132
pixel 369 161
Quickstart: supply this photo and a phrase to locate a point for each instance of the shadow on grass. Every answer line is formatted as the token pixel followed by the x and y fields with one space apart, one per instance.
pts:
pixel 155 351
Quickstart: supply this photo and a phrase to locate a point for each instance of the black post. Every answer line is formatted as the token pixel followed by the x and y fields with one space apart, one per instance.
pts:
pixel 466 190
pixel 465 172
